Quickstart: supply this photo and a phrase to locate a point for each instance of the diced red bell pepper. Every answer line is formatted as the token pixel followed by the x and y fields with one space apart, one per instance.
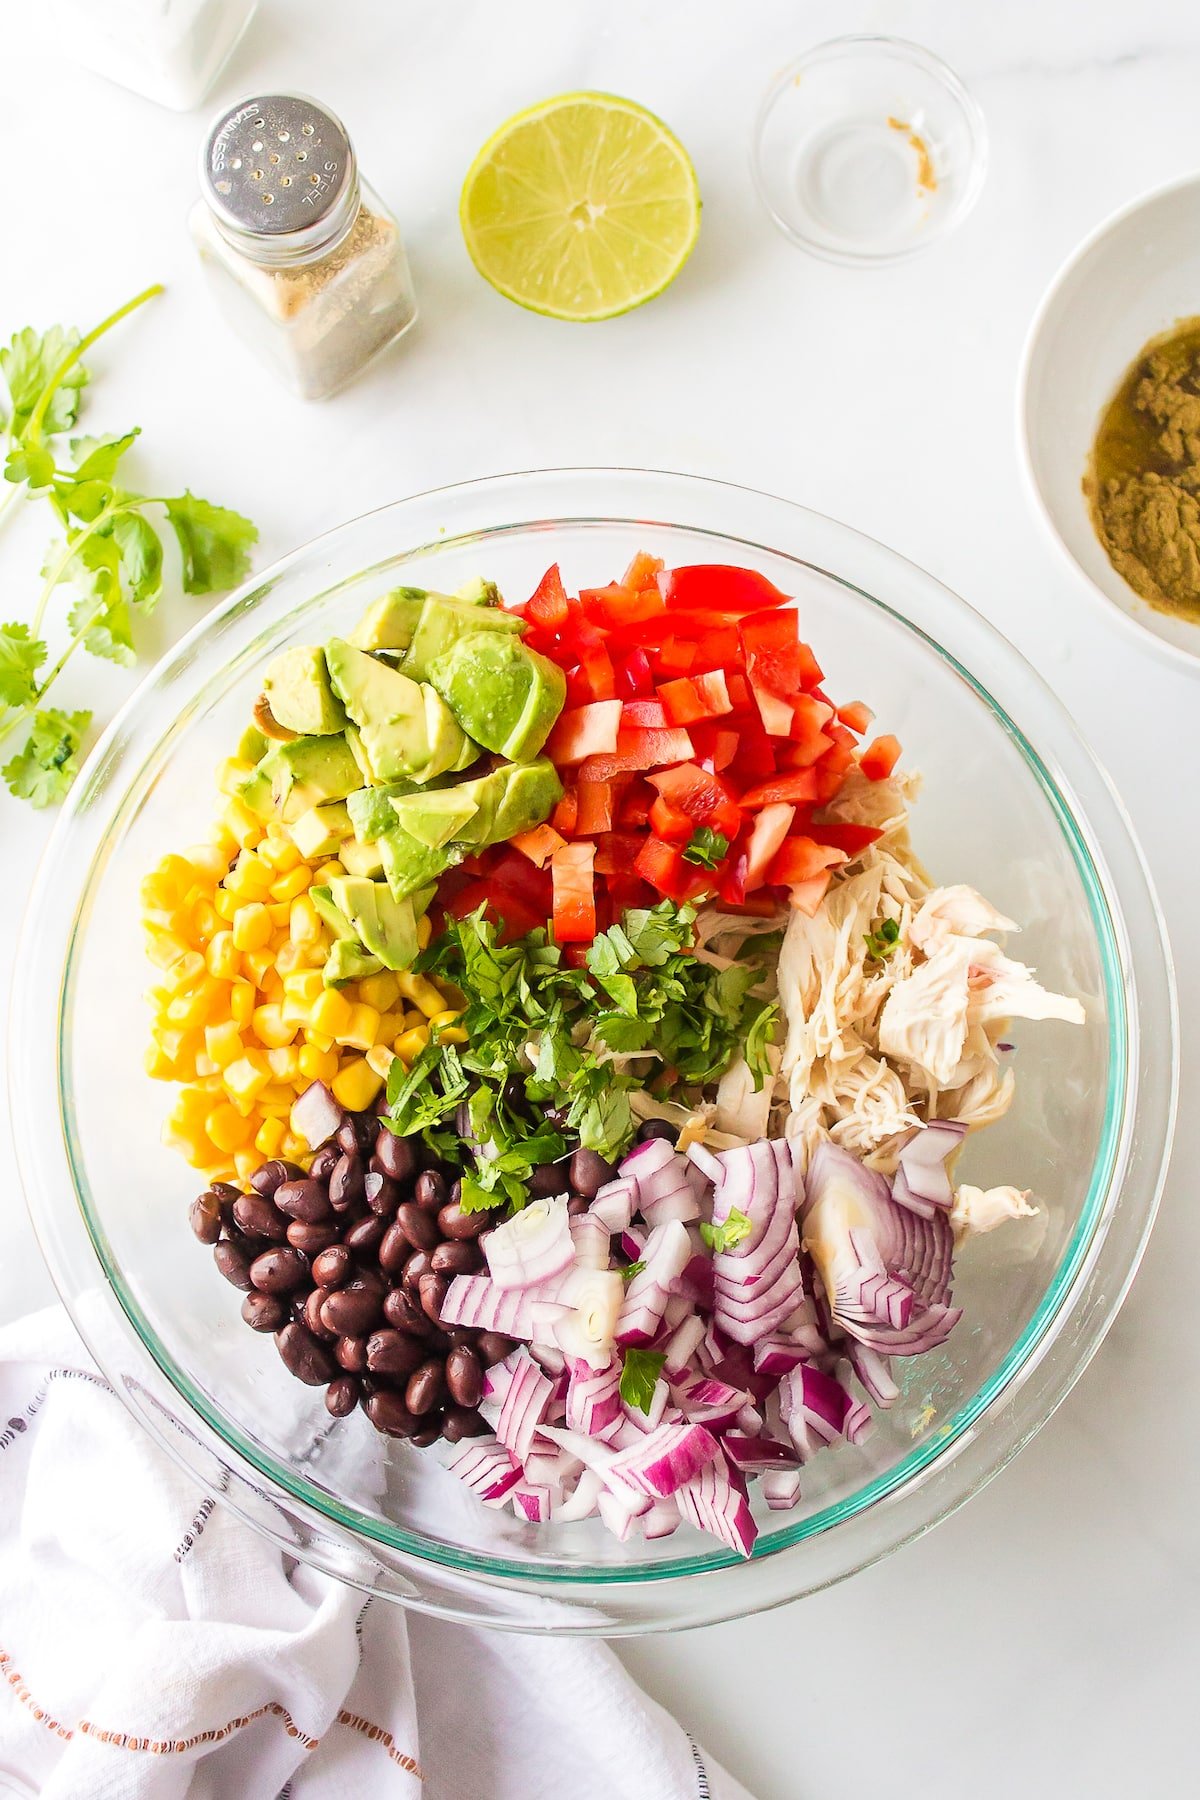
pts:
pixel 616 853
pixel 799 787
pixel 539 844
pixel 844 836
pixel 666 821
pixel 718 587
pixel 595 811
pixel 617 605
pixel 799 860
pixel 634 809
pixel 755 759
pixel 581 731
pixel 676 655
pixel 565 816
pixel 643 571
pixel 637 750
pixel 717 648
pixel 706 799
pixel 633 676
pixel 856 715
pixel 504 907
pixel 571 869
pixel 807 896
pixel 738 689
pixel 626 890
pixel 665 868
pixel 768 834
pixel 547 606
pixel 880 757
pixel 695 697
pixel 643 715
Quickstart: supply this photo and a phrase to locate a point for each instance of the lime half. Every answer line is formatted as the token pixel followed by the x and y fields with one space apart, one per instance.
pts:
pixel 581 208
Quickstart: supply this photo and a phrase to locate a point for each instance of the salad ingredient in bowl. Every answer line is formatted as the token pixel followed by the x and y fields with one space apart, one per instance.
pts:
pixel 575 1048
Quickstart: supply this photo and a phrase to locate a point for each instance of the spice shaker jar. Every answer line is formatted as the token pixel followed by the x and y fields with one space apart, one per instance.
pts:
pixel 305 260
pixel 169 50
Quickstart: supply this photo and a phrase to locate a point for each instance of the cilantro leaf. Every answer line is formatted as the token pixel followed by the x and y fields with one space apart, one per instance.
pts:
pixel 639 1374
pixel 758 1028
pixel 101 614
pixel 44 770
pixel 724 1237
pixel 214 543
pixel 20 658
pixel 633 1268
pixel 472 1197
pixel 600 1111
pixel 141 555
pixel 27 365
pixel 34 465
pixel 881 942
pixel 96 458
pixel 429 1092
pixel 706 847
pixel 623 1034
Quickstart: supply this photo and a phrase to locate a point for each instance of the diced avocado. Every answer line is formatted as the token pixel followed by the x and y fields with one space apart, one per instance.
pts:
pixel 371 812
pixel 478 592
pixel 485 793
pixel 434 817
pixel 256 793
pixel 360 859
pixel 307 771
pixel 409 864
pixel 405 729
pixel 531 792
pixel 253 744
pixel 320 830
pixel 359 752
pixel 297 689
pixel 331 913
pixel 389 622
pixel 471 754
pixel 505 696
pixel 348 961
pixel 386 925
pixel 442 623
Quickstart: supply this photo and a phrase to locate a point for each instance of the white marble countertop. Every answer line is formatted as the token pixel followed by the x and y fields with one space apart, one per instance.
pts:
pixel 1047 1639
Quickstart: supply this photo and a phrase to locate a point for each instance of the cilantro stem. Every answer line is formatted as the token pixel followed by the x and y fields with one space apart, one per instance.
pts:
pixel 62 563
pixel 33 431
pixel 16 491
pixel 31 706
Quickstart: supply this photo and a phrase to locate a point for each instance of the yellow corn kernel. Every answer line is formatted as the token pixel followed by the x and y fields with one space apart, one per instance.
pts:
pixel 270 986
pixel 232 772
pixel 251 927
pixel 452 1034
pixel 227 1128
pixel 269 1137
pixel 359 1032
pixel 225 904
pixel 246 1078
pixel 157 1063
pixel 295 1149
pixel 257 963
pixel 170 881
pixel 443 1019
pixel 317 1065
pixel 278 850
pixel 179 1047
pixel 422 993
pixel 390 1026
pixel 245 830
pixel 317 1038
pixel 222 957
pixel 191 1010
pixel 276 1097
pixel 205 1066
pixel 223 1043
pixel 356 1086
pixel 190 1141
pixel 283 1063
pixel 330 1013
pixel 291 885
pixel 269 1027
pixel 380 991
pixel 330 869
pixel 209 862
pixel 424 931
pixel 304 924
pixel 205 919
pixel 380 1058
pixel 410 1044
pixel 163 947
pixel 242 1001
pixel 246 1161
pixel 186 974
pixel 289 957
pixel 412 1020
pixel 303 986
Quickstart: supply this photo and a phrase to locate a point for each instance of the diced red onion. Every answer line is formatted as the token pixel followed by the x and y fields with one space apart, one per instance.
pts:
pixel 552 1468
pixel 666 1459
pixel 619 1508
pixel 661 1519
pixel 750 1454
pixel 583 1500
pixel 487 1469
pixel 532 1247
pixel 680 1203
pixel 594 1398
pixel 712 1502
pixel 666 1253
pixel 874 1371
pixel 316 1115
pixel 614 1204
pixel 781 1489
pixel 922 1181
pixel 524 1407
pixel 632 1240
pixel 817 1409
pixel 475 1300
pixel 646 1159
pixel 530 1501
pixel 646 1421
pixel 592 1241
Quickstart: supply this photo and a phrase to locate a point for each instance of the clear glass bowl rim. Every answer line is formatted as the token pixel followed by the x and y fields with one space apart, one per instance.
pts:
pixel 1095 1270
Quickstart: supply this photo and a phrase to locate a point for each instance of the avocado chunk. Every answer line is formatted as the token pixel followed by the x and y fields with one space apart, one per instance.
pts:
pixel 433 818
pixel 307 771
pixel 389 622
pixel 320 830
pixel 531 793
pixel 371 812
pixel 360 859
pixel 358 751
pixel 405 729
pixel 409 864
pixel 443 622
pixel 297 689
pixel 256 793
pixel 252 745
pixel 478 592
pixel 387 926
pixel 331 914
pixel 348 961
pixel 505 696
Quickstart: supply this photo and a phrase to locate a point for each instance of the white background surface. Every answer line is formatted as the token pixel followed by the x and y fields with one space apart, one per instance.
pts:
pixel 1046 1641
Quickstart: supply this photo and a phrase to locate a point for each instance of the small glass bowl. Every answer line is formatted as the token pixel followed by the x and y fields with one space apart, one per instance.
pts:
pixel 868 149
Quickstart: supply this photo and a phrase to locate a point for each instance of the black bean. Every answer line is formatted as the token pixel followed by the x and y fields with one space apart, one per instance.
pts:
pixel 311 1317
pixel 365 1235
pixel 464 1376
pixel 456 1259
pixel 430 1189
pixel 426 1387
pixel 332 1266
pixel 388 1413
pixel 353 1310
pixel 346 1137
pixel 589 1172
pixel 306 1199
pixel 279 1270
pixel 346 1182
pixel 351 1353
pixel 269 1177
pixel 431 1290
pixel 307 1360
pixel 577 1205
pixel 461 1334
pixel 453 1222
pixel 417 1265
pixel 419 1226
pixel 263 1312
pixel 341 1396
pixel 657 1128
pixel 462 1422
pixel 394 1250
pixel 548 1179
pixel 312 1239
pixel 493 1347
pixel 402 1311
pixel 366 1129
pixel 513 1092
pixel 204 1217
pixel 257 1217
pixel 324 1162
pixel 430 1432
pixel 394 1155
pixel 393 1353
pixel 381 1193
pixel 233 1263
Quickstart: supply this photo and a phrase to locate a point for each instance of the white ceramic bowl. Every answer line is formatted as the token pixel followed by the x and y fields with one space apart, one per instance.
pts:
pixel 1134 277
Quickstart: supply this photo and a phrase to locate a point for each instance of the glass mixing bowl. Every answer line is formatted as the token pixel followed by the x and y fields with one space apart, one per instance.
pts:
pixel 1013 804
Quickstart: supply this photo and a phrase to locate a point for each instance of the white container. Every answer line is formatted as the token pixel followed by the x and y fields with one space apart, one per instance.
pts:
pixel 169 50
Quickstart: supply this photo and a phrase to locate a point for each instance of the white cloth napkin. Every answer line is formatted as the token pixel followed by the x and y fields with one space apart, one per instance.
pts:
pixel 154 1647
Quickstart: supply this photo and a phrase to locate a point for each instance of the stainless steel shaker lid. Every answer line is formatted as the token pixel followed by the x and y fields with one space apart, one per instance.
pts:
pixel 275 165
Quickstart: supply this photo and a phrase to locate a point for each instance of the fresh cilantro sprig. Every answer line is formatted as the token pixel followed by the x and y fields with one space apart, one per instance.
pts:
pixel 706 847
pixel 726 1236
pixel 111 553
pixel 640 1371
pixel 632 1269
pixel 882 941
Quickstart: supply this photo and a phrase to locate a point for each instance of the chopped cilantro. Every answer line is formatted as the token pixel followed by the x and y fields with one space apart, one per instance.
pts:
pixel 706 847
pixel 724 1237
pixel 881 942
pixel 639 1374
pixel 634 1268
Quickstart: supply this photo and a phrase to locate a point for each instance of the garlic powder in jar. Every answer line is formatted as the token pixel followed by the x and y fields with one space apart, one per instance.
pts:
pixel 304 259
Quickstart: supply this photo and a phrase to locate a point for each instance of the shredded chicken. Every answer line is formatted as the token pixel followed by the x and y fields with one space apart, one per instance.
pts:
pixel 981 1209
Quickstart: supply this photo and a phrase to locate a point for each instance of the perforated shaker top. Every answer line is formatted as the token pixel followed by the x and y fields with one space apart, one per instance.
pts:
pixel 276 164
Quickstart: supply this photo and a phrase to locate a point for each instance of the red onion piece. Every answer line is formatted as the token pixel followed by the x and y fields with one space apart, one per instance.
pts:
pixel 316 1115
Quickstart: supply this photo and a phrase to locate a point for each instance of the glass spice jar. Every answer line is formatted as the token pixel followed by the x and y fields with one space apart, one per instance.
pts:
pixel 170 50
pixel 305 260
